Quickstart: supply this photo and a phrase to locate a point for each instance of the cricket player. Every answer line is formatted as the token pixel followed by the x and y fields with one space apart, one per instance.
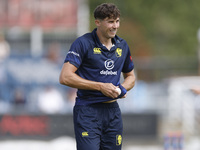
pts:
pixel 93 65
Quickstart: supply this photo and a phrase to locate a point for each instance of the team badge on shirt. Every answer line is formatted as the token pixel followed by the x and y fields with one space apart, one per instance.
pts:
pixel 118 139
pixel 118 52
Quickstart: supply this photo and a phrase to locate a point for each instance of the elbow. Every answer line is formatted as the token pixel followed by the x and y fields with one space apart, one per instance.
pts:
pixel 63 80
pixel 67 75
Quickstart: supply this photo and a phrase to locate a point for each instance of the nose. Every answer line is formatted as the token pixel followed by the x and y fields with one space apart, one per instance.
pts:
pixel 114 25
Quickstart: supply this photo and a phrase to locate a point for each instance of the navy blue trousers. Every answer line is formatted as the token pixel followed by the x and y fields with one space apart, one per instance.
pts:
pixel 98 126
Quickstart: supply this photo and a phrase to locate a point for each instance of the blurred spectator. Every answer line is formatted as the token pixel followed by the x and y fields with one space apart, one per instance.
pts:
pixel 71 95
pixel 70 99
pixel 54 53
pixel 19 101
pixel 4 53
pixel 50 101
pixel 4 48
pixel 19 97
pixel 196 90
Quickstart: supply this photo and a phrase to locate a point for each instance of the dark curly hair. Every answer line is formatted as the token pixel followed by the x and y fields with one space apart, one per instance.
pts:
pixel 106 10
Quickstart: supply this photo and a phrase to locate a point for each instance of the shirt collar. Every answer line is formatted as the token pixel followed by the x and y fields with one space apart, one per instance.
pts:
pixel 99 44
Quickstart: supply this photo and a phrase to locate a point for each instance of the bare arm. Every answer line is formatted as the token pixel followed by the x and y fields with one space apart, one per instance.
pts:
pixel 69 78
pixel 129 80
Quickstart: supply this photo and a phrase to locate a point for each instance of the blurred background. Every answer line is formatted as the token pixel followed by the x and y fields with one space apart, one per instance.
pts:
pixel 161 112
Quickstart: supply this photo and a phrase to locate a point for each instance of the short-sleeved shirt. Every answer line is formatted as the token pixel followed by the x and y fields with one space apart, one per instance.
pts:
pixel 96 63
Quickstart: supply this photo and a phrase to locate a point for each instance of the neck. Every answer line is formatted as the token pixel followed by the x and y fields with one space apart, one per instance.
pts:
pixel 105 41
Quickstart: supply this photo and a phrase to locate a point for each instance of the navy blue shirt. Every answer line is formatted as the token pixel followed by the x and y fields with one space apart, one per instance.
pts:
pixel 96 63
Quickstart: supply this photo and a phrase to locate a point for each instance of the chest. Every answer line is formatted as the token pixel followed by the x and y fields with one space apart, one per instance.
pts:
pixel 99 58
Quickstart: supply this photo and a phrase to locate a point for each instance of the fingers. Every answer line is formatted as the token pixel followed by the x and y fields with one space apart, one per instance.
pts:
pixel 109 90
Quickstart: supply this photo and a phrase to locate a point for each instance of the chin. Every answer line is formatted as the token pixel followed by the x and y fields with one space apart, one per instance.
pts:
pixel 112 36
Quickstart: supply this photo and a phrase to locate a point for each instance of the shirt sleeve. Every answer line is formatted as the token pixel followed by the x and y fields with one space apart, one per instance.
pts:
pixel 76 53
pixel 128 64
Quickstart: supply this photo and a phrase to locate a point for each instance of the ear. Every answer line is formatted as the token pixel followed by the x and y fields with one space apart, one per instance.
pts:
pixel 97 22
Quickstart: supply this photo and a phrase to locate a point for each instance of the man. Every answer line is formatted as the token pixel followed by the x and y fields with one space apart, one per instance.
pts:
pixel 93 65
pixel 196 90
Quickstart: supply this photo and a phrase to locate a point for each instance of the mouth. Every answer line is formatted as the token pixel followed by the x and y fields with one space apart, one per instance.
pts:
pixel 113 31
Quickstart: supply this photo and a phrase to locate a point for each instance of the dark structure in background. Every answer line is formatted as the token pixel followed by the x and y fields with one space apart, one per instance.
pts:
pixel 52 126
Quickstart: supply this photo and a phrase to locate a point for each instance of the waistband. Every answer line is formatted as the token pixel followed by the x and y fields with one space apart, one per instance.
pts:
pixel 112 105
pixel 106 105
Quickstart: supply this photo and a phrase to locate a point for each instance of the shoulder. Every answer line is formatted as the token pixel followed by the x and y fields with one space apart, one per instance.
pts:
pixel 85 38
pixel 120 41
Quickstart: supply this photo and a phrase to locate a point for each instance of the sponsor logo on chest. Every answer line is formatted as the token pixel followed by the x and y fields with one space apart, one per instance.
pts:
pixel 109 65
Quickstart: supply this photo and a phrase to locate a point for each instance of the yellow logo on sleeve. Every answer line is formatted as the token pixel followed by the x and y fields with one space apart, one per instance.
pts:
pixel 85 134
pixel 97 50
pixel 118 52
pixel 118 139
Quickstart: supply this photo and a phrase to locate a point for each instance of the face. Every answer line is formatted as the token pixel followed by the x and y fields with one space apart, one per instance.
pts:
pixel 108 27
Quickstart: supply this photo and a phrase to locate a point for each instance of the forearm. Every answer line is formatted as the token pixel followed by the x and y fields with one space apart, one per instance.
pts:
pixel 129 80
pixel 75 81
pixel 69 78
